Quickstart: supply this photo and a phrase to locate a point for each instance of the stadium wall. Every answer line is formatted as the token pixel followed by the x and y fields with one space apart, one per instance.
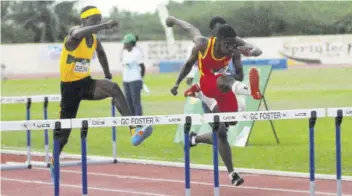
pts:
pixel 43 59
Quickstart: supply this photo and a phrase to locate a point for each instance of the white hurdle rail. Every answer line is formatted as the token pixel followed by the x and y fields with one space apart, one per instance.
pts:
pixel 34 98
pixel 197 119
pixel 29 163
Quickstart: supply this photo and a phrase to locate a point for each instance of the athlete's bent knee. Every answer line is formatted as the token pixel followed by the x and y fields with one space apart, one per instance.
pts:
pixel 116 90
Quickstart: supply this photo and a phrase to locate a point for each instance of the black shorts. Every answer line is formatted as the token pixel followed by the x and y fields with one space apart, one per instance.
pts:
pixel 72 93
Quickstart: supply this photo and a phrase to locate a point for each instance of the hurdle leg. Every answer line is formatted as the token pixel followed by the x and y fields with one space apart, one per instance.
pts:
pixel 28 132
pixel 338 121
pixel 46 137
pixel 84 131
pixel 215 155
pixel 312 121
pixel 187 128
pixel 114 150
pixel 56 155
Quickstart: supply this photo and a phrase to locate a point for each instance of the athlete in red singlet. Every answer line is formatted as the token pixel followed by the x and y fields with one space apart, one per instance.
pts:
pixel 208 64
pixel 213 54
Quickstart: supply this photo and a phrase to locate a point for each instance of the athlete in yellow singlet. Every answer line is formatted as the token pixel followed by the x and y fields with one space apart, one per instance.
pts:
pixel 76 82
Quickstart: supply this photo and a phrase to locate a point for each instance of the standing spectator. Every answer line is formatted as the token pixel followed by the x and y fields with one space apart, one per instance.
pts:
pixel 133 73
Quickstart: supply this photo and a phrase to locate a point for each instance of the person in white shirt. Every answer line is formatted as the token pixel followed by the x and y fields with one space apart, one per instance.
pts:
pixel 133 73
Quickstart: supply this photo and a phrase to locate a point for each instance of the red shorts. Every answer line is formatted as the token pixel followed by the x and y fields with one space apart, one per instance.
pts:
pixel 226 102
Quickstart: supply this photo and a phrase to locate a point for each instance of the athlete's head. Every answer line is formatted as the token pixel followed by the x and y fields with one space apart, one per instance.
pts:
pixel 215 23
pixel 91 15
pixel 129 41
pixel 227 39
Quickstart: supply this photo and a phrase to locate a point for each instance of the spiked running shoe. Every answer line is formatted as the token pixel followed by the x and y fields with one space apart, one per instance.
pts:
pixel 254 83
pixel 140 134
pixel 236 179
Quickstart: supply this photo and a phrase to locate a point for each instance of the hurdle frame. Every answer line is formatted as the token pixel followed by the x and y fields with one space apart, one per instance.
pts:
pixel 215 131
pixel 312 122
pixel 45 99
pixel 186 149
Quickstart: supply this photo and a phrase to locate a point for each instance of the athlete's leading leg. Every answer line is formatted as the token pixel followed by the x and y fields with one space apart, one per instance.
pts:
pixel 226 102
pixel 224 146
pixel 106 88
pixel 228 83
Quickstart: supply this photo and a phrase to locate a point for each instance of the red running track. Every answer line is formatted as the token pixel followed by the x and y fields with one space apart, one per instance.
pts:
pixel 147 180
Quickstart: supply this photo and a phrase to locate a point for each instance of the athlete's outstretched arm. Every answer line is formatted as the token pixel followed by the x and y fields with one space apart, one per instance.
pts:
pixel 88 30
pixel 77 33
pixel 186 68
pixel 248 49
pixel 193 32
pixel 103 60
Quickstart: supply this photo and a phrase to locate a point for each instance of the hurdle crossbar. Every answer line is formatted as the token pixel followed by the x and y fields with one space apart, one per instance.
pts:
pixel 197 119
pixel 311 114
pixel 34 98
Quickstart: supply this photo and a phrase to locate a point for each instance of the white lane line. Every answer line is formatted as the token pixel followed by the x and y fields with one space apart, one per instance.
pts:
pixel 80 187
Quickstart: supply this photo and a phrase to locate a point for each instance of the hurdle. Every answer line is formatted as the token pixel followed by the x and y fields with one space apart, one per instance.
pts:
pixel 188 120
pixel 46 99
pixel 339 113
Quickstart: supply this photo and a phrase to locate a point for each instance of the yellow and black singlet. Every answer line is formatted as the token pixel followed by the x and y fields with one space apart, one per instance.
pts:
pixel 75 65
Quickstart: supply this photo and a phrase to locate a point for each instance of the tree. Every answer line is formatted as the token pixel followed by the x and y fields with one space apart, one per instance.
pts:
pixel 47 20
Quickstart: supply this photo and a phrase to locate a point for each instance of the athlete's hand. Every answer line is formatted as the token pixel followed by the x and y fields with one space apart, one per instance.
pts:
pixel 111 23
pixel 244 50
pixel 108 76
pixel 174 90
pixel 170 21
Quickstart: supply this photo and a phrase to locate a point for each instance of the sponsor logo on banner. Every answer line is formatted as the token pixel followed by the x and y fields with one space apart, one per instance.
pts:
pixel 349 112
pixel 98 122
pixel 157 119
pixel 244 116
pixel 317 50
pixel 301 114
pixel 266 116
pixel 36 125
pixel 54 98
pixel 11 100
pixel 175 119
pixel 136 121
pixel 229 118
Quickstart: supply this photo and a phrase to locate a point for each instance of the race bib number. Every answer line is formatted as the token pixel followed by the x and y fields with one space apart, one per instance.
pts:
pixel 82 67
